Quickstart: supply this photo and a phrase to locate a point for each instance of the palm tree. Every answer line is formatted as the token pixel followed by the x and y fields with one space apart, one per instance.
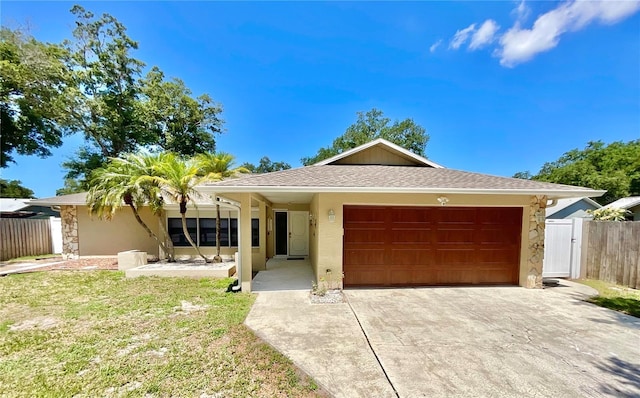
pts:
pixel 122 181
pixel 177 178
pixel 214 167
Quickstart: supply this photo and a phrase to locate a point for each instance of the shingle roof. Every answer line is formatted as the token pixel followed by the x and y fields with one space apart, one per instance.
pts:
pixel 80 199
pixel 9 205
pixel 564 203
pixel 624 203
pixel 392 177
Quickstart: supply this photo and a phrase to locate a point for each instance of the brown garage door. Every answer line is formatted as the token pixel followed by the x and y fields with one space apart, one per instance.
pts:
pixel 421 246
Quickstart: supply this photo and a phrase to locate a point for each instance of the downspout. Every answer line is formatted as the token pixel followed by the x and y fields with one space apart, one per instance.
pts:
pixel 235 205
pixel 553 202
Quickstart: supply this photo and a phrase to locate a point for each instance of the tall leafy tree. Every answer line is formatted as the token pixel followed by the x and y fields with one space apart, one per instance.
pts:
pixel 613 167
pixel 266 166
pixel 217 166
pixel 118 111
pixel 128 181
pixel 372 125
pixel 33 80
pixel 105 91
pixel 179 122
pixel 14 189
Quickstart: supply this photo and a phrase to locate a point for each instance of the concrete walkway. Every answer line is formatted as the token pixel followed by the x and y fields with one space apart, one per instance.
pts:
pixel 283 274
pixel 324 340
pixel 463 342
pixel 7 268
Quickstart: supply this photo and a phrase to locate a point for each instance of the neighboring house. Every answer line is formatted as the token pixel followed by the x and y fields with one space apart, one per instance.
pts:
pixel 377 214
pixel 630 203
pixel 23 208
pixel 571 208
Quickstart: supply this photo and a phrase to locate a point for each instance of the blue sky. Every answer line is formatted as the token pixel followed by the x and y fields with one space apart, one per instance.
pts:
pixel 500 87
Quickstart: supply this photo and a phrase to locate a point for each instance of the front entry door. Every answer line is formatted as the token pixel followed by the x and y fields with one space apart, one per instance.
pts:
pixel 298 233
pixel 282 233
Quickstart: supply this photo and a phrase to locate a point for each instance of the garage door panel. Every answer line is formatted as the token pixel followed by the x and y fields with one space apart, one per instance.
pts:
pixel 422 236
pixel 411 256
pixel 411 215
pixel 455 235
pixel 496 256
pixel 368 215
pixel 364 235
pixel 455 256
pixel 456 215
pixel 370 276
pixel 499 236
pixel 431 245
pixel 368 256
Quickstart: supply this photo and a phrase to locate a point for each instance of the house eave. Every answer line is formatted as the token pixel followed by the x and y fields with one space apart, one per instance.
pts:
pixel 550 193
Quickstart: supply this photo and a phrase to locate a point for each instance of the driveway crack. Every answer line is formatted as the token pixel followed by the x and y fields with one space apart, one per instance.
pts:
pixel 375 355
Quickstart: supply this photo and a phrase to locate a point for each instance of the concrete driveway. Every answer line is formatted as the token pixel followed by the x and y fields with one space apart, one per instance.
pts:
pixel 463 342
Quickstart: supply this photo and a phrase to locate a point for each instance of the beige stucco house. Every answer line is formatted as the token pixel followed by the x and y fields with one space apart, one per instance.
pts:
pixel 377 214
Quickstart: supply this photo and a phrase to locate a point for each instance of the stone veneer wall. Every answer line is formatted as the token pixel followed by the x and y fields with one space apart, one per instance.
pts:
pixel 70 240
pixel 536 241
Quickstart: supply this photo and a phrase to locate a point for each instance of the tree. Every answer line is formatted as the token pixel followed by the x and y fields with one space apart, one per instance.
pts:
pixel 33 78
pixel 93 85
pixel 178 122
pixel 523 175
pixel 177 179
pixel 372 125
pixel 614 167
pixel 14 189
pixel 609 214
pixel 217 166
pixel 71 186
pixel 265 166
pixel 128 181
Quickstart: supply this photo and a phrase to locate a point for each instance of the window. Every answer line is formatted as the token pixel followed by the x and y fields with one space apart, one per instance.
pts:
pixel 176 234
pixel 208 232
pixel 234 232
pixel 255 232
pixel 203 232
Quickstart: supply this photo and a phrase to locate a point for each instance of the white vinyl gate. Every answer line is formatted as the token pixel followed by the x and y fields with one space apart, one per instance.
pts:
pixel 56 234
pixel 562 248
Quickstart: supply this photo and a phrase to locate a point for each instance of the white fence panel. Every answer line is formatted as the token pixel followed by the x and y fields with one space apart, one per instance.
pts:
pixel 56 234
pixel 557 249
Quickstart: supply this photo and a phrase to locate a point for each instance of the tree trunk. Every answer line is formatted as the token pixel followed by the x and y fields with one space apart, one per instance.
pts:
pixel 217 258
pixel 185 230
pixel 169 244
pixel 149 231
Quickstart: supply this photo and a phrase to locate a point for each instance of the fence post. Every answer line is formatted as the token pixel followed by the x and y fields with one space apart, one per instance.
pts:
pixel 576 247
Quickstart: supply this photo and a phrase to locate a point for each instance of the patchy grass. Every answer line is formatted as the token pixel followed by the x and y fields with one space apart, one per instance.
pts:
pixel 88 334
pixel 615 297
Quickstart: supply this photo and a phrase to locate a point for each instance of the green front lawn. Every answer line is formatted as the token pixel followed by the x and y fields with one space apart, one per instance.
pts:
pixel 96 333
pixel 615 297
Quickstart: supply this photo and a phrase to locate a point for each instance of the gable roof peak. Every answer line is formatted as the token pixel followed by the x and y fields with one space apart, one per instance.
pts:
pixel 399 151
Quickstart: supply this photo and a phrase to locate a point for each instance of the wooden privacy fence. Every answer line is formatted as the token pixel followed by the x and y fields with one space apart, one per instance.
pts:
pixel 613 252
pixel 24 237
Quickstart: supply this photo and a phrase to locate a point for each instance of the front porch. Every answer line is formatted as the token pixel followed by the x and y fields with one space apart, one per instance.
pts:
pixel 283 274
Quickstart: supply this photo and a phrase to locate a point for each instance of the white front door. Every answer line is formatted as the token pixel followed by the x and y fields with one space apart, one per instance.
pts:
pixel 298 233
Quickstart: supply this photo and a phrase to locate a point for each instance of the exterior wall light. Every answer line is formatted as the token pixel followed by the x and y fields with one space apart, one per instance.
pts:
pixel 332 215
pixel 443 200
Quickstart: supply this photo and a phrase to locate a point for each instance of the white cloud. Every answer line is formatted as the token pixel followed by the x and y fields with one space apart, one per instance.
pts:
pixel 461 36
pixel 484 35
pixel 520 45
pixel 435 45
pixel 521 12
